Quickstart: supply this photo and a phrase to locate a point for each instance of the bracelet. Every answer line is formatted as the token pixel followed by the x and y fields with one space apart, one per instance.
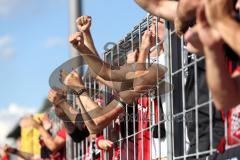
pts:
pixel 79 92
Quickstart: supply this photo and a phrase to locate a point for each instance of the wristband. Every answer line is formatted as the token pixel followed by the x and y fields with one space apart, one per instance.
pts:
pixel 79 92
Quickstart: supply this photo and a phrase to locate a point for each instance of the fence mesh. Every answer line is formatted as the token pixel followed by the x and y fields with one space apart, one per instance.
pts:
pixel 177 120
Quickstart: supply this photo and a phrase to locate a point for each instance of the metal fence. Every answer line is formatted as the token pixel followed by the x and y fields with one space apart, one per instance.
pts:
pixel 188 119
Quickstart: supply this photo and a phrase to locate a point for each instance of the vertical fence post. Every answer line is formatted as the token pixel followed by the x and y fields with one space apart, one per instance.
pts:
pixel 168 99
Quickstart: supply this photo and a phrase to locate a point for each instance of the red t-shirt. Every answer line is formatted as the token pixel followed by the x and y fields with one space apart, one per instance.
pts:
pixel 233 120
pixel 5 157
pixel 62 133
pixel 59 155
pixel 143 123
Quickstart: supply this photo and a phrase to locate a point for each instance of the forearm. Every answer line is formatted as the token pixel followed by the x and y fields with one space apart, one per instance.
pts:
pixel 89 42
pixel 68 124
pixel 47 138
pixel 230 32
pixel 113 85
pixel 116 86
pixel 100 116
pixel 90 124
pixel 149 80
pixel 222 86
pixel 165 9
pixel 100 67
pixel 186 10
pixel 23 155
pixel 70 113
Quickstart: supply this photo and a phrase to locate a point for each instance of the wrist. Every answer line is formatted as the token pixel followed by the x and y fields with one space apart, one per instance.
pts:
pixel 221 21
pixel 214 52
pixel 12 150
pixel 79 91
pixel 86 32
pixel 144 51
pixel 59 102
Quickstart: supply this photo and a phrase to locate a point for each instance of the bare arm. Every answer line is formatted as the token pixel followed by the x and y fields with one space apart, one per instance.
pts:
pixel 114 85
pixel 93 116
pixel 146 78
pixel 52 143
pixel 230 32
pixel 225 90
pixel 165 9
pixel 84 24
pixel 23 155
pixel 100 117
pixel 103 69
pixel 219 16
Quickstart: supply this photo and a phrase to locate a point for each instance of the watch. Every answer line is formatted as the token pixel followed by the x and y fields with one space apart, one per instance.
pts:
pixel 79 92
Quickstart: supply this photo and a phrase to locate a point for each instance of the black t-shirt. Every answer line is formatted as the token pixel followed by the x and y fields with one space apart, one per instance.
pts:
pixel 203 112
pixel 81 132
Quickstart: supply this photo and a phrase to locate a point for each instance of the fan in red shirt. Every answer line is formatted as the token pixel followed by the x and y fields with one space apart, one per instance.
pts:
pixel 60 153
pixel 144 117
pixel 3 153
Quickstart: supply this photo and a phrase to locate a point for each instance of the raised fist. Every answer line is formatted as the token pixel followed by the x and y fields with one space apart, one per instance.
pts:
pixel 84 23
pixel 77 40
pixel 72 80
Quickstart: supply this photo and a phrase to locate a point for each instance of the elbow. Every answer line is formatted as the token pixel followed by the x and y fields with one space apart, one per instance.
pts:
pixel 105 73
pixel 99 121
pixel 94 129
pixel 141 88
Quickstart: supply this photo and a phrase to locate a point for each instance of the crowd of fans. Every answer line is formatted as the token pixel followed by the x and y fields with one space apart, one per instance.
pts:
pixel 210 28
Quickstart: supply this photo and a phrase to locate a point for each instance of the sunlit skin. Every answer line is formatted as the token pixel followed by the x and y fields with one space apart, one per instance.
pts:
pixel 186 14
pixel 124 75
pixel 220 15
pixel 165 9
pixel 225 89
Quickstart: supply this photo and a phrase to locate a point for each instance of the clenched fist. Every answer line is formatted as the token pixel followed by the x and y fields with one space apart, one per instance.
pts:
pixel 72 80
pixel 77 40
pixel 84 23
pixel 56 96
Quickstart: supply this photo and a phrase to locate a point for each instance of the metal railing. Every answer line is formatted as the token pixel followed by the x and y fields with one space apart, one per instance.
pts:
pixel 182 121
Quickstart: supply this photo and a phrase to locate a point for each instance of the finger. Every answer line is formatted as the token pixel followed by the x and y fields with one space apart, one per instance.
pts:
pixel 82 20
pixel 110 143
pixel 145 34
pixel 78 20
pixel 85 19
pixel 63 74
pixel 136 51
pixel 73 37
pixel 89 18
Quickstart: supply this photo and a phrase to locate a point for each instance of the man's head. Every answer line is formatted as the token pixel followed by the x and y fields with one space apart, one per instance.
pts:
pixel 160 29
